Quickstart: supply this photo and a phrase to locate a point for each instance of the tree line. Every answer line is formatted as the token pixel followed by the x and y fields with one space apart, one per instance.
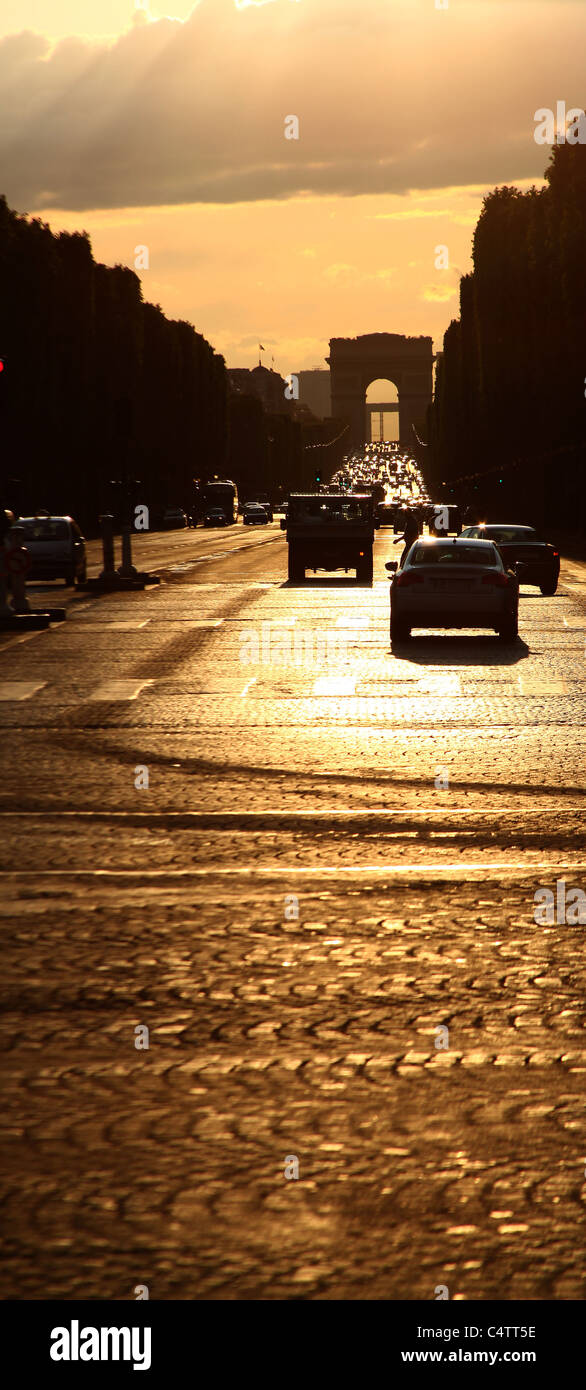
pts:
pixel 105 402
pixel 509 401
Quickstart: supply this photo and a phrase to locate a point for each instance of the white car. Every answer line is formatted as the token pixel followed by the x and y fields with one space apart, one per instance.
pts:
pixel 56 547
pixel 453 584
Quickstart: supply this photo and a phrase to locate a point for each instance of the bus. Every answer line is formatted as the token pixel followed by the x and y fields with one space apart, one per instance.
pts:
pixel 222 492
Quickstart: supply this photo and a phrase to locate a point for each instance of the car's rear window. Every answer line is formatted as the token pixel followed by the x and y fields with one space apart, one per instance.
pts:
pixel 45 529
pixel 500 535
pixel 451 554
pixel 330 509
pixel 512 533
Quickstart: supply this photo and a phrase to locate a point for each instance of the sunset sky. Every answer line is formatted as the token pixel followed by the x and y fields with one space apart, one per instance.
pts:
pixel 168 130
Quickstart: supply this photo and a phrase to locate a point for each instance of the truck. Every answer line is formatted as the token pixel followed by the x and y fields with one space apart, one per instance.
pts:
pixel 329 531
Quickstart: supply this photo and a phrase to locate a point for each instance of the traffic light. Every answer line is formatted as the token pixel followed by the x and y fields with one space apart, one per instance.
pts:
pixel 318 475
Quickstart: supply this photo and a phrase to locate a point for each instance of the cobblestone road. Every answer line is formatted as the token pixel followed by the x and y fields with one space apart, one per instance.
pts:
pixel 331 871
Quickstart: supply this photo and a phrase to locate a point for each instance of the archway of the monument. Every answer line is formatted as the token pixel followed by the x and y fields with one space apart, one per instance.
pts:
pixel 382 411
pixel 356 363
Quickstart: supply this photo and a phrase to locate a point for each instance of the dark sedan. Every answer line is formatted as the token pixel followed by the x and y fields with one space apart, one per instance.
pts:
pixel 254 514
pixel 215 517
pixel 535 561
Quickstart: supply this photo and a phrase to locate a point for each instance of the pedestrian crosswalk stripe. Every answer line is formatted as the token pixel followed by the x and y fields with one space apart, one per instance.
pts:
pixel 20 690
pixel 113 691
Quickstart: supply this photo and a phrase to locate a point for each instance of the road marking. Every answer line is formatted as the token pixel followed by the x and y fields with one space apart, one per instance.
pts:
pixel 20 690
pixel 440 683
pixel 118 625
pixel 216 555
pixel 480 871
pixel 204 622
pixel 337 817
pixel 247 686
pixel 534 685
pixel 335 685
pixel 23 637
pixel 348 621
pixel 112 691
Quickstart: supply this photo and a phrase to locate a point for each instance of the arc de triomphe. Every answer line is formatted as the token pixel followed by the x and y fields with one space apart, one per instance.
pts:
pixel 355 362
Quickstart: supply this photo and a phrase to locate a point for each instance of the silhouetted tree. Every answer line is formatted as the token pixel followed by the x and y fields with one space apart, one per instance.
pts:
pixel 510 384
pixel 98 387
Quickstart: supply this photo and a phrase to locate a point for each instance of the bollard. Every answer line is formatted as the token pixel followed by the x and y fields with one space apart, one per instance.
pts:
pixel 5 610
pixel 127 570
pixel 107 524
pixel 19 563
pixel 6 519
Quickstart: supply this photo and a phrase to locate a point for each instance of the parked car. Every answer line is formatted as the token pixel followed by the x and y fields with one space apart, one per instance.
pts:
pixel 215 517
pixel 535 561
pixel 173 519
pixel 56 547
pixel 453 584
pixel 254 514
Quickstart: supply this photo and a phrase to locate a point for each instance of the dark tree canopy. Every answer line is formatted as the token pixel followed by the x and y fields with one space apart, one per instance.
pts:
pixel 100 389
pixel 510 388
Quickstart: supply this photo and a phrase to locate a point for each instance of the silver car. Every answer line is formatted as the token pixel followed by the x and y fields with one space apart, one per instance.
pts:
pixel 56 547
pixel 453 584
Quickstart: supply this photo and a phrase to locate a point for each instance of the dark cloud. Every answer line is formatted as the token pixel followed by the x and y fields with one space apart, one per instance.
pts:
pixel 389 97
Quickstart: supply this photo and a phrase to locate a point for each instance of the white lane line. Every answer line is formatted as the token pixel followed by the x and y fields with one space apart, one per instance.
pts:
pixel 115 625
pixel 194 816
pixel 20 690
pixel 427 870
pixel 113 691
pixel 203 622
pixel 217 555
pixel 24 637
pixel 247 687
pixel 349 621
pixel 442 683
pixel 334 685
pixel 534 685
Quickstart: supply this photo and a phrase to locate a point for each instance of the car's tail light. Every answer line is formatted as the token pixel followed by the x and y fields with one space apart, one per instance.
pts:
pixel 496 580
pixel 409 577
pixel 556 554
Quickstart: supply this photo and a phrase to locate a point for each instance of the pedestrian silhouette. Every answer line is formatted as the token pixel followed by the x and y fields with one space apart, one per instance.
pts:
pixel 410 534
